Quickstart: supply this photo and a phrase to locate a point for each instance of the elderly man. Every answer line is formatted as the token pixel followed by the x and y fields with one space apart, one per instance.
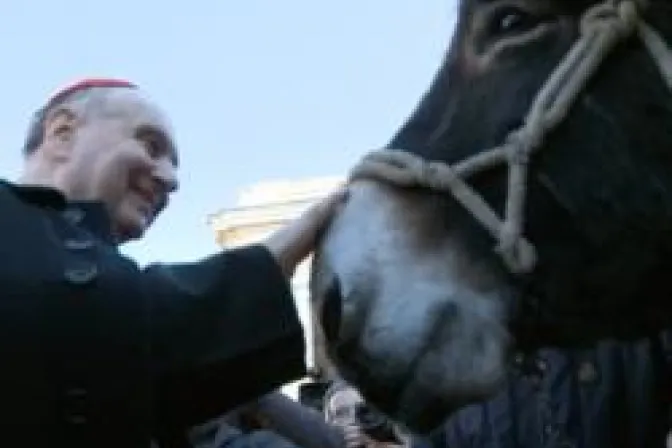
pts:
pixel 97 351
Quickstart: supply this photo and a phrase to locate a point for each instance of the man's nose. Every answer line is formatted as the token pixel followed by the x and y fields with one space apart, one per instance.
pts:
pixel 165 173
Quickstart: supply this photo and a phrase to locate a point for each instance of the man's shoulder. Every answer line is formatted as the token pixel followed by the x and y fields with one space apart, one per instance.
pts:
pixel 30 194
pixel 7 188
pixel 6 184
pixel 15 203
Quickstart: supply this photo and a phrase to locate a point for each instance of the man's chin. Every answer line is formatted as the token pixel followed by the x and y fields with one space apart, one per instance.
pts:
pixel 131 229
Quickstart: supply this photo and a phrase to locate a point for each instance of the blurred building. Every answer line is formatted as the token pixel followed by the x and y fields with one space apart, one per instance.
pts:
pixel 259 210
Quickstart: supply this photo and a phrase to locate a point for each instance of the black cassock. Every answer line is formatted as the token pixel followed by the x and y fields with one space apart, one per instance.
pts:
pixel 97 352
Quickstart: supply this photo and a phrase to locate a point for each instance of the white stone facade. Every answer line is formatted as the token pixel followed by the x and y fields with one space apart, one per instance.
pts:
pixel 263 208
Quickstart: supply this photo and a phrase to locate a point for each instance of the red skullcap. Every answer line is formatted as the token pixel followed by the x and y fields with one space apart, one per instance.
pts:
pixel 89 83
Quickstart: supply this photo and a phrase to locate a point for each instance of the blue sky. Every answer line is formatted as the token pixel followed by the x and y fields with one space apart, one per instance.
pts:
pixel 257 90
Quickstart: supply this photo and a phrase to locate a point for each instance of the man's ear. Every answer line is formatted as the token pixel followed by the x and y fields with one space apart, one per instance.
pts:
pixel 59 130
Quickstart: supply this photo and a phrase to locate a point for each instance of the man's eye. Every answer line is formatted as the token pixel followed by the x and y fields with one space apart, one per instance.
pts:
pixel 154 148
pixel 154 142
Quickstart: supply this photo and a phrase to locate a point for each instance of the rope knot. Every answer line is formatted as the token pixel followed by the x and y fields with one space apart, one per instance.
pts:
pixel 518 254
pixel 619 18
pixel 431 174
pixel 522 142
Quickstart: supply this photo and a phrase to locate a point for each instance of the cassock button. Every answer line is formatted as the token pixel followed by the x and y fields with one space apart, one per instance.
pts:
pixel 76 392
pixel 73 215
pixel 75 399
pixel 76 420
pixel 587 372
pixel 82 274
pixel 78 244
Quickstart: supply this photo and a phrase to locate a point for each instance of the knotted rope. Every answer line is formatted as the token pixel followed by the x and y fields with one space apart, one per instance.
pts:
pixel 602 27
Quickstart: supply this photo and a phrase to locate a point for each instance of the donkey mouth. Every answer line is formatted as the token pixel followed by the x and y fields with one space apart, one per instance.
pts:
pixel 331 313
pixel 422 378
pixel 397 389
pixel 411 403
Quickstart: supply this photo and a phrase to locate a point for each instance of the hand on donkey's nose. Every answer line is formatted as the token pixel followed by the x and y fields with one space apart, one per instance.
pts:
pixel 291 244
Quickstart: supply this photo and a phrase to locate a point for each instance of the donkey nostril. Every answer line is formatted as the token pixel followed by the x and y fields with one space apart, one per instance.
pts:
pixel 331 312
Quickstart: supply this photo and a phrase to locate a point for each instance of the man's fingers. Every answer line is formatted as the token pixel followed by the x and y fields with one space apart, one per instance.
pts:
pixel 326 210
pixel 294 242
pixel 318 215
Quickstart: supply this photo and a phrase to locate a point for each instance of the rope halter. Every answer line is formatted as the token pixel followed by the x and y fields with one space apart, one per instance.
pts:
pixel 602 27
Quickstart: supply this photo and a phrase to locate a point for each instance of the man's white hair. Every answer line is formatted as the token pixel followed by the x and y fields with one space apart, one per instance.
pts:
pixel 85 103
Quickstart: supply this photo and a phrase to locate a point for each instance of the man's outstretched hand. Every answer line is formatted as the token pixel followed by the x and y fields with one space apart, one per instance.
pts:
pixel 291 244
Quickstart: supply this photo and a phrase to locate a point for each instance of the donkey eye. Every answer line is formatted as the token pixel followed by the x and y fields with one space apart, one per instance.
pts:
pixel 511 20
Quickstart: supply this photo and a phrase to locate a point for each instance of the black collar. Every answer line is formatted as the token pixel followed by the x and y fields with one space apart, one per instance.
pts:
pixel 90 215
pixel 38 195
